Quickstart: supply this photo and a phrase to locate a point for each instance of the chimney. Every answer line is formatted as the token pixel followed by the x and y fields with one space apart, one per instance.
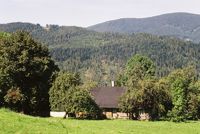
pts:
pixel 112 83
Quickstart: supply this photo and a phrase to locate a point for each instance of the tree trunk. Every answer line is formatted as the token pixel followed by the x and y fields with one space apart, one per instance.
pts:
pixel 66 114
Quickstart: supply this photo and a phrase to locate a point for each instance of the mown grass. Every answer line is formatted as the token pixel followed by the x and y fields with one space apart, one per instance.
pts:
pixel 14 123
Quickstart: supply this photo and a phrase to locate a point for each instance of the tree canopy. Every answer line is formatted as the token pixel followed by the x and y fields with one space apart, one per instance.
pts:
pixel 68 94
pixel 58 92
pixel 185 93
pixel 175 97
pixel 26 72
pixel 144 93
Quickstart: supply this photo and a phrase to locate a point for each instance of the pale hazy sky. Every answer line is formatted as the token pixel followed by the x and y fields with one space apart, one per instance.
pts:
pixel 88 12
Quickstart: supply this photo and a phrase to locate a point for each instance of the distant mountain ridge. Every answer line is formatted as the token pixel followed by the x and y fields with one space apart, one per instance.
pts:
pixel 182 25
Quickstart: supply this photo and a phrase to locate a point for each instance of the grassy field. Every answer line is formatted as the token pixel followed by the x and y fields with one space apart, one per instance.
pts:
pixel 13 123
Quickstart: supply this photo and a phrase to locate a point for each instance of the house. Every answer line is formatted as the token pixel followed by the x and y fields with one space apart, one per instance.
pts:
pixel 107 98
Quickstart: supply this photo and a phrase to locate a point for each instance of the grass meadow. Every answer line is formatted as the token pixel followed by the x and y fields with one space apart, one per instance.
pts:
pixel 14 123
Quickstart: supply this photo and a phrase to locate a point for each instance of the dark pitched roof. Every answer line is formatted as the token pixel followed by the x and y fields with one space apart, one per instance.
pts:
pixel 107 97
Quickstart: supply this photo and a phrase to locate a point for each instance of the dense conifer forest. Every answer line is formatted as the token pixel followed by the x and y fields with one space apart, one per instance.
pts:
pixel 101 56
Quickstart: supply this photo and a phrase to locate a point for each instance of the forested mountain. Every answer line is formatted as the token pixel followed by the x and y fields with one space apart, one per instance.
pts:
pixel 183 25
pixel 101 56
pixel 51 35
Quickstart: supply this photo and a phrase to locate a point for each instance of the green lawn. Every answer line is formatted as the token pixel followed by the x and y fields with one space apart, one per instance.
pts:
pixel 14 123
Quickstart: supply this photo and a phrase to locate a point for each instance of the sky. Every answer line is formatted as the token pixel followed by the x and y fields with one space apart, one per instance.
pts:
pixel 88 12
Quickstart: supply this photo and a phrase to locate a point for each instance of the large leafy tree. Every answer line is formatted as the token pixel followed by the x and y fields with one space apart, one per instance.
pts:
pixel 137 68
pixel 58 92
pixel 143 91
pixel 140 67
pixel 26 71
pixel 185 91
pixel 194 101
pixel 69 95
pixel 79 101
pixel 150 97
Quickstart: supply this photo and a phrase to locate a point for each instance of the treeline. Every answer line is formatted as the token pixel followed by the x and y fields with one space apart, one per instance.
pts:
pixel 104 62
pixel 101 56
pixel 175 97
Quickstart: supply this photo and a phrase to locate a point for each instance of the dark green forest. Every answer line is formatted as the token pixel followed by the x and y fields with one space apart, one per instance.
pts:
pixel 100 57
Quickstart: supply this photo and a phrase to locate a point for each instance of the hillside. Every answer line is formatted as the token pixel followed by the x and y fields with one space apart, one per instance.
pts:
pixel 20 124
pixel 102 56
pixel 51 35
pixel 182 25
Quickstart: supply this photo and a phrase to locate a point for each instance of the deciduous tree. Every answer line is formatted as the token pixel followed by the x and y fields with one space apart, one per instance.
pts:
pixel 59 90
pixel 27 66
